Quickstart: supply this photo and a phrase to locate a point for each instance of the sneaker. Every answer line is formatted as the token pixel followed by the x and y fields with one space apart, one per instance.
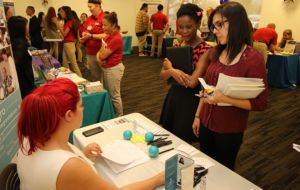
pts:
pixel 142 55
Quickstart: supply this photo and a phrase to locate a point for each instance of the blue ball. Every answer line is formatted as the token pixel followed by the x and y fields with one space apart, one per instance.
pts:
pixel 153 151
pixel 127 135
pixel 149 136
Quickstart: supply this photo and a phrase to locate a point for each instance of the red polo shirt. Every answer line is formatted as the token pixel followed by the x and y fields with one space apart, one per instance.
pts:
pixel 115 44
pixel 159 20
pixel 93 25
pixel 266 35
pixel 70 37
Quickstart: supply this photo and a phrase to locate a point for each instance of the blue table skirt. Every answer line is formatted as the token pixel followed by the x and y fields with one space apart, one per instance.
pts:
pixel 97 107
pixel 283 70
pixel 127 41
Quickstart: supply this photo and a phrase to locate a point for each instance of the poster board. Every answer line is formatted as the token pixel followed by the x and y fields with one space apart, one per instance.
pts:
pixel 10 96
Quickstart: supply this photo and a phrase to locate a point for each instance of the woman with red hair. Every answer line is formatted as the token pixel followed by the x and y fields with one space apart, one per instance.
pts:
pixel 46 160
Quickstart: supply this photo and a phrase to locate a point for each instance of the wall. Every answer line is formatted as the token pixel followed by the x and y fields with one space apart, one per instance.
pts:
pixel 126 10
pixel 276 11
pixel 283 15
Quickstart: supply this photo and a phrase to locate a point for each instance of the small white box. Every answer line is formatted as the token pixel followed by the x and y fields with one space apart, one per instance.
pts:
pixel 93 87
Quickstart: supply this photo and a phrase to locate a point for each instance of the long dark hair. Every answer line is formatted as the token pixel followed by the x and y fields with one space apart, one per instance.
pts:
pixel 239 31
pixel 50 14
pixel 70 16
pixel 17 27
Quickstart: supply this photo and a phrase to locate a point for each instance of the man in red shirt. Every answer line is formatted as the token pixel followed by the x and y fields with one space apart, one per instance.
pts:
pixel 92 36
pixel 159 26
pixel 267 35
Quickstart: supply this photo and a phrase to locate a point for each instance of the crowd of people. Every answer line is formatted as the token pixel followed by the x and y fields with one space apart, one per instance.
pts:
pixel 95 41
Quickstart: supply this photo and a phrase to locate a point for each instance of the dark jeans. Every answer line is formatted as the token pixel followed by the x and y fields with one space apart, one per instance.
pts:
pixel 222 147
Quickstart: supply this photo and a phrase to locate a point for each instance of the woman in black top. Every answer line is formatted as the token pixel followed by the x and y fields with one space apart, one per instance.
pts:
pixel 18 29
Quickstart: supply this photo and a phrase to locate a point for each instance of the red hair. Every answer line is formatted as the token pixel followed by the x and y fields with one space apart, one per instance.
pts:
pixel 42 110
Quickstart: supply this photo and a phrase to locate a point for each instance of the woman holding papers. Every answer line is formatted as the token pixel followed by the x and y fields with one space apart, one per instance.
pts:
pixel 46 160
pixel 220 128
pixel 180 103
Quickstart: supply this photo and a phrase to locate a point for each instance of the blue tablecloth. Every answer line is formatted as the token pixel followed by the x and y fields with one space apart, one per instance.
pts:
pixel 127 41
pixel 283 70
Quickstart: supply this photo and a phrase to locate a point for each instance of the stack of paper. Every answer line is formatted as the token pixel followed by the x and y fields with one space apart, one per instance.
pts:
pixel 122 155
pixel 237 87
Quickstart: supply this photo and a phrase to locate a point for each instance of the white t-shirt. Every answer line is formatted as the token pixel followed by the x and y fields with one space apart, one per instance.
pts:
pixel 39 171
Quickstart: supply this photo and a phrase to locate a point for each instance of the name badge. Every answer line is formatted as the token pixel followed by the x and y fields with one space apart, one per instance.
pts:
pixel 97 23
pixel 89 27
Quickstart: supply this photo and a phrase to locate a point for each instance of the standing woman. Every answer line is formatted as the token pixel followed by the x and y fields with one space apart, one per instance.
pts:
pixel 83 58
pixel 69 32
pixel 51 30
pixel 181 103
pixel 221 128
pixel 110 60
pixel 18 29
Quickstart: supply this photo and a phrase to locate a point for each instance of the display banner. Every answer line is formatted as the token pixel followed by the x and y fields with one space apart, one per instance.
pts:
pixel 10 96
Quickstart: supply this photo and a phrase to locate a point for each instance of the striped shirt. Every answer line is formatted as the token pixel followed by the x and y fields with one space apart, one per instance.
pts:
pixel 142 22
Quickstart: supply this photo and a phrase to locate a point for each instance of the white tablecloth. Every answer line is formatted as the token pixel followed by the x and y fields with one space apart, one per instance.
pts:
pixel 218 177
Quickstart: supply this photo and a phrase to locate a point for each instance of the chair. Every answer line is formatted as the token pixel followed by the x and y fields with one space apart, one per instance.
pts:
pixel 9 179
pixel 297 48
pixel 262 48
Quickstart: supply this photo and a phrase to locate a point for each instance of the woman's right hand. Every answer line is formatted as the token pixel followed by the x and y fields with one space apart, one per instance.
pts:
pixel 196 126
pixel 181 77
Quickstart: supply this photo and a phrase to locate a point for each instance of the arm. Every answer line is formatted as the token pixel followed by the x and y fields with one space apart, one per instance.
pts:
pixel 77 175
pixel 63 31
pixel 168 71
pixel 200 70
pixel 196 123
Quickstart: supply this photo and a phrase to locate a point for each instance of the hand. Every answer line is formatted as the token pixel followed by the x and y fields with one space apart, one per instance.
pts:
pixel 167 64
pixel 160 178
pixel 215 98
pixel 92 150
pixel 196 126
pixel 193 82
pixel 86 36
pixel 182 78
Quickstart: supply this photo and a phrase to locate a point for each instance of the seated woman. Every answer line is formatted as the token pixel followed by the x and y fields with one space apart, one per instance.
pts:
pixel 287 35
pixel 46 160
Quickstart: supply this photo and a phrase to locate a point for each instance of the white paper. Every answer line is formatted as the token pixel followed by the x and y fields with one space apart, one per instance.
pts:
pixel 122 155
pixel 296 147
pixel 188 149
pixel 200 161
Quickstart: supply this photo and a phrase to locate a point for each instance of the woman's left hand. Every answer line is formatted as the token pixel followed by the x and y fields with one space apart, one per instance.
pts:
pixel 92 150
pixel 215 98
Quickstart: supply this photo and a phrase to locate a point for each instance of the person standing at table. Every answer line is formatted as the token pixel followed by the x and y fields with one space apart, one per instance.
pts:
pixel 159 25
pixel 220 128
pixel 181 103
pixel 17 28
pixel 69 32
pixel 34 29
pixel 286 35
pixel 266 36
pixel 92 36
pixel 110 60
pixel 82 55
pixel 51 32
pixel 142 27
pixel 46 160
